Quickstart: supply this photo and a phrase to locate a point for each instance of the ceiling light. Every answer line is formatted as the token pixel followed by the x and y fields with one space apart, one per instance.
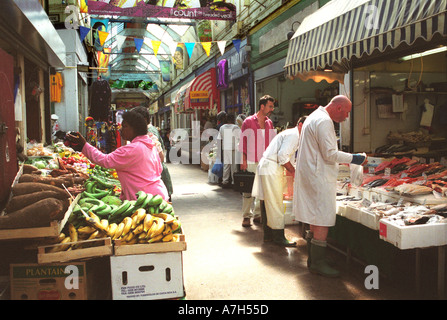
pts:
pixel 423 54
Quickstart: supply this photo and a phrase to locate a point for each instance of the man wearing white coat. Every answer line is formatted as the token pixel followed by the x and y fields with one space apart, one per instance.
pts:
pixel 315 189
pixel 269 182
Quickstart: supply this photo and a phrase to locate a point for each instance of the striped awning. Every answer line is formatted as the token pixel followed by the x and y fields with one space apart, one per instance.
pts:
pixel 200 93
pixel 342 29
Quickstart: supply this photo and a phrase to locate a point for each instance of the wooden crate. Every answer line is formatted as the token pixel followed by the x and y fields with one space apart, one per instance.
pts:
pixel 130 249
pixel 53 230
pixel 102 247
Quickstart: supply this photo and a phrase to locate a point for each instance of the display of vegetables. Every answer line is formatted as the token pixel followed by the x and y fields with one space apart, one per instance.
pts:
pixel 147 219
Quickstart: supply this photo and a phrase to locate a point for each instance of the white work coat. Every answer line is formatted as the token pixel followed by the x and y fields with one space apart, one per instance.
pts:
pixel 269 180
pixel 315 189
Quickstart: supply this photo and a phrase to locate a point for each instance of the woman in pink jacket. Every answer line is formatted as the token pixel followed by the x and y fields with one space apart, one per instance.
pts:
pixel 138 164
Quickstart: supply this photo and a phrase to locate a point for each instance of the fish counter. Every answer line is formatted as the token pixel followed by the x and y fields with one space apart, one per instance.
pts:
pixel 404 201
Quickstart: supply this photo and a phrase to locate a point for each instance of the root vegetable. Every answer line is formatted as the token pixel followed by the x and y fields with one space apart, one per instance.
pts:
pixel 30 187
pixel 21 201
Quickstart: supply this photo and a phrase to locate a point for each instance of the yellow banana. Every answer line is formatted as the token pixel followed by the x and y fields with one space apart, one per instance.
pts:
pixel 60 237
pixel 118 231
pixel 175 237
pixel 73 233
pixel 129 237
pixel 139 229
pixel 61 246
pixel 93 235
pixel 111 229
pixel 156 238
pixel 175 225
pixel 147 223
pixel 105 223
pixel 127 224
pixel 157 227
pixel 86 230
pixel 167 238
pixel 142 236
pixel 133 241
pixel 139 214
pixel 167 230
pixel 165 216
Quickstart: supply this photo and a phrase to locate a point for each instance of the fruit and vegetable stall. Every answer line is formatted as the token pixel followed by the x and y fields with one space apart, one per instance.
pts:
pixel 68 212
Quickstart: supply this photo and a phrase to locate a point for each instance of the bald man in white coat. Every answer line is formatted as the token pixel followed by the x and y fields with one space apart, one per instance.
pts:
pixel 315 189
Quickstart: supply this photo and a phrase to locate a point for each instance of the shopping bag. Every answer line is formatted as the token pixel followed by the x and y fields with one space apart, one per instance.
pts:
pixel 243 181
pixel 217 168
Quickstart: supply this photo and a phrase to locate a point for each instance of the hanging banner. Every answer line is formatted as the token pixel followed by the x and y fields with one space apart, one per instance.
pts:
pixel 83 5
pixel 165 68
pixel 221 45
pixel 190 48
pixel 99 28
pixel 194 9
pixel 204 31
pixel 120 41
pixel 103 59
pixel 180 56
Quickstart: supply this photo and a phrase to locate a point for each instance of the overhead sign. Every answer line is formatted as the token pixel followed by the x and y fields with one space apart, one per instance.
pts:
pixel 209 10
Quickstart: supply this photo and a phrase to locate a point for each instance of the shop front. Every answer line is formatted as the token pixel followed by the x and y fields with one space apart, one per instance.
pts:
pixel 391 57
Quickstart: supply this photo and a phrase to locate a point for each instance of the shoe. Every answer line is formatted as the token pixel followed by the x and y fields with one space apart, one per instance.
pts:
pixel 280 239
pixel 257 220
pixel 318 263
pixel 226 185
pixel 246 222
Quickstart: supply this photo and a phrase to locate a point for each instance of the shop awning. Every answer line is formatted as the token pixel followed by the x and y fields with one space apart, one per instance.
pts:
pixel 342 29
pixel 199 93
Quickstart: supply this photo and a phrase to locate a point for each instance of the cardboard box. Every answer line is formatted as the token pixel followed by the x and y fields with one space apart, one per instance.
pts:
pixel 149 276
pixel 48 281
pixel 410 237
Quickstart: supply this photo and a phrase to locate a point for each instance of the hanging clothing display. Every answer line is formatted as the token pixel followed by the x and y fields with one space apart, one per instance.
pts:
pixel 101 96
pixel 56 84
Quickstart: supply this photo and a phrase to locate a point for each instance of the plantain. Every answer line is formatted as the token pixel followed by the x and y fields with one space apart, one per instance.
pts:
pixel 165 216
pixel 168 237
pixel 86 230
pixel 62 246
pixel 104 223
pixel 147 200
pixel 147 222
pixel 155 238
pixel 119 231
pixel 175 226
pixel 111 229
pixel 167 230
pixel 141 196
pixel 127 224
pixel 93 235
pixel 140 214
pixel 159 227
pixel 139 229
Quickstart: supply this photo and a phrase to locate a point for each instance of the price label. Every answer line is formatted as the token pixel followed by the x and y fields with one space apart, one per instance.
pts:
pixel 387 172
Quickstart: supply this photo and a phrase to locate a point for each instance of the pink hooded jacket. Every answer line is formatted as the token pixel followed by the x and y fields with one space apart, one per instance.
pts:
pixel 138 166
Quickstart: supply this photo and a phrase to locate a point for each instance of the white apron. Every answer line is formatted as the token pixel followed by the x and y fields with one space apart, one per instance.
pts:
pixel 315 189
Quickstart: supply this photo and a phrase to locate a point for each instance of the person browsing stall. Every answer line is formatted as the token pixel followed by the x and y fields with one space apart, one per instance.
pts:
pixel 137 164
pixel 268 183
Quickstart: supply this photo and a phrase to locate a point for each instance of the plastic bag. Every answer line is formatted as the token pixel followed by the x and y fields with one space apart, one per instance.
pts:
pixel 356 175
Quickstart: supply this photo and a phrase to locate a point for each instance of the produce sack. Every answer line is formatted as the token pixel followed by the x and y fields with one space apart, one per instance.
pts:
pixel 217 168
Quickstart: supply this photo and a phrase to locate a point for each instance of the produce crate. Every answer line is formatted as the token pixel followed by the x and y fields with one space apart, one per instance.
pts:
pixel 410 237
pixel 53 230
pixel 149 276
pixel 49 281
pixel 100 247
pixel 156 247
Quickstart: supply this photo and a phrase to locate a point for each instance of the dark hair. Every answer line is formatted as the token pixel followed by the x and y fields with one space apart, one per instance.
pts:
pixel 221 116
pixel 136 120
pixel 230 118
pixel 266 98
pixel 144 112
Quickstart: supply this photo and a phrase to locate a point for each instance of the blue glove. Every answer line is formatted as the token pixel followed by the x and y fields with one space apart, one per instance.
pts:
pixel 358 159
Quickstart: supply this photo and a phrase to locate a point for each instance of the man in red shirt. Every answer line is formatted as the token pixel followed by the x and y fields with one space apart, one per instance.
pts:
pixel 256 133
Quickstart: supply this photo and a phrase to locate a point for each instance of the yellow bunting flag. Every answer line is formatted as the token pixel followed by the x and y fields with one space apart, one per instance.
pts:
pixel 207 47
pixel 156 46
pixel 102 37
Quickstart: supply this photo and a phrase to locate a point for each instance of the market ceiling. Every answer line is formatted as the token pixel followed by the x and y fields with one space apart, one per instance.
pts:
pixel 126 62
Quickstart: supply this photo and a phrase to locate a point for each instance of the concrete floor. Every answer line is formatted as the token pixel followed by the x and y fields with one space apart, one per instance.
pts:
pixel 224 260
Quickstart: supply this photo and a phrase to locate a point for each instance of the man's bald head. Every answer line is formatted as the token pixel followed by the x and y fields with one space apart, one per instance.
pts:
pixel 339 108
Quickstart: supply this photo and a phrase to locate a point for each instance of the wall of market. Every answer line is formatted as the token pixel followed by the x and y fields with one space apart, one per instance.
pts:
pixel 369 130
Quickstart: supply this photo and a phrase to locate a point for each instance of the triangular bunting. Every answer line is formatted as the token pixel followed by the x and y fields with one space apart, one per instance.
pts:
pixel 207 47
pixel 190 48
pixel 83 31
pixel 120 40
pixel 102 36
pixel 237 44
pixel 156 46
pixel 138 43
pixel 221 45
